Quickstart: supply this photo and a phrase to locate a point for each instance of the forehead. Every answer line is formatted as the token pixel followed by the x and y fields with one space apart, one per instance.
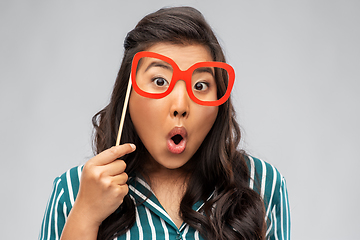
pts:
pixel 183 55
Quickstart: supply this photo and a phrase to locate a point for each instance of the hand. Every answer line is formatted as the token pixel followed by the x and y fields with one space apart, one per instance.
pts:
pixel 103 185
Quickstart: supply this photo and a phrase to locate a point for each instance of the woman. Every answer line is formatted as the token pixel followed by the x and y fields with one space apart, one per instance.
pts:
pixel 182 175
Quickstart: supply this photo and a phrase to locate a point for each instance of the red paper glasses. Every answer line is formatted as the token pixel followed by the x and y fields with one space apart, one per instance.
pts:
pixel 154 76
pixel 208 83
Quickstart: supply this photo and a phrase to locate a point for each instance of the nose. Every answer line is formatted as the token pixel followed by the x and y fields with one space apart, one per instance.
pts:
pixel 180 100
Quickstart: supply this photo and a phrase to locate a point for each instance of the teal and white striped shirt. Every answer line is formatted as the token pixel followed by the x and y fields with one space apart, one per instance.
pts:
pixel 153 222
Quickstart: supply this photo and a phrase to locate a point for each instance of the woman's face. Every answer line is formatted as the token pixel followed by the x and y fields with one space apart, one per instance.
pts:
pixel 172 128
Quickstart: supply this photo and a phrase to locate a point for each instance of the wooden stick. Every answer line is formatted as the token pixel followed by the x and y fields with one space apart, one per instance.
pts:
pixel 123 113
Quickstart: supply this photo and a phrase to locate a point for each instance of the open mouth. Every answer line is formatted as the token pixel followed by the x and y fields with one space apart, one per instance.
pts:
pixel 177 139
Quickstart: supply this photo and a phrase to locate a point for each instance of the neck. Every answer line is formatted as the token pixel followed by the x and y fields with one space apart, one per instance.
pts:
pixel 156 174
pixel 169 187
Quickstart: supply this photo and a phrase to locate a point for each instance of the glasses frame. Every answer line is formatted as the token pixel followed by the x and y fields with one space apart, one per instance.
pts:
pixel 182 75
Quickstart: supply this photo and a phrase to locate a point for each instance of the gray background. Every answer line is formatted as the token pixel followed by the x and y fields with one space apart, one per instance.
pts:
pixel 296 94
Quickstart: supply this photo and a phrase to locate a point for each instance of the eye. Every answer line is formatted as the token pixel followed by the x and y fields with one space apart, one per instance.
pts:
pixel 159 81
pixel 201 86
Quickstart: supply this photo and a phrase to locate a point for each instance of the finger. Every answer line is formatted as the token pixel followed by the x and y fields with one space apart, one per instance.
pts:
pixel 122 190
pixel 113 153
pixel 120 179
pixel 115 168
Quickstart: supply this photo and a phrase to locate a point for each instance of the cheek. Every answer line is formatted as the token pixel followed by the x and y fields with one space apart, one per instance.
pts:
pixel 137 109
pixel 206 117
pixel 145 114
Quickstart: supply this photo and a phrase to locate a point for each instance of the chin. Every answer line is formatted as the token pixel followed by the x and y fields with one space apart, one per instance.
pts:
pixel 173 165
pixel 173 162
pixel 167 160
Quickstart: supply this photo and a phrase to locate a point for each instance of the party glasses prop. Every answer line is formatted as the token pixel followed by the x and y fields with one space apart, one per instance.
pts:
pixel 154 76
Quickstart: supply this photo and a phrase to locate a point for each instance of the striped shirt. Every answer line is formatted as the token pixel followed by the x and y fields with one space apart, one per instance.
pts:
pixel 153 222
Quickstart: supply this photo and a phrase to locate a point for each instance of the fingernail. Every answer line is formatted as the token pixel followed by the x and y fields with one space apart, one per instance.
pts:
pixel 132 146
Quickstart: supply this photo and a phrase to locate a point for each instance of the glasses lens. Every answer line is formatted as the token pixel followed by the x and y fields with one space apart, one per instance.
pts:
pixel 209 83
pixel 153 75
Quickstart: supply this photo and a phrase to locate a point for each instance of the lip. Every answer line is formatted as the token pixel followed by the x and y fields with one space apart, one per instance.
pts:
pixel 180 147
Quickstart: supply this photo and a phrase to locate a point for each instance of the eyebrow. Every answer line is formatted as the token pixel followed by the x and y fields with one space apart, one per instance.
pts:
pixel 161 64
pixel 205 69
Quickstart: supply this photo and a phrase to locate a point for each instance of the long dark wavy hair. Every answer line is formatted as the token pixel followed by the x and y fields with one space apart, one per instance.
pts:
pixel 235 211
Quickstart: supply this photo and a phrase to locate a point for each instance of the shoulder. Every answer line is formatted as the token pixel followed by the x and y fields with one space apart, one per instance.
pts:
pixel 271 185
pixel 265 179
pixel 69 182
pixel 61 201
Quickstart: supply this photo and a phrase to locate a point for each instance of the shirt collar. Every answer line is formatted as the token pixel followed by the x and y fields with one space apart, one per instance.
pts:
pixel 142 194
